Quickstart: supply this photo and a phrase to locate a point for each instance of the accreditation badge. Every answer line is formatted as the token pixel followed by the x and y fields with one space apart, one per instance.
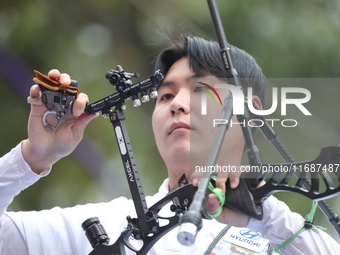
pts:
pixel 242 241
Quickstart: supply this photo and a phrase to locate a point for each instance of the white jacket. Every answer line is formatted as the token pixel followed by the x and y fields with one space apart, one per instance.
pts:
pixel 59 231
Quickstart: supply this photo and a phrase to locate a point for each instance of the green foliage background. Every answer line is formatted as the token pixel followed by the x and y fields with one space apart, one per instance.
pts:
pixel 289 39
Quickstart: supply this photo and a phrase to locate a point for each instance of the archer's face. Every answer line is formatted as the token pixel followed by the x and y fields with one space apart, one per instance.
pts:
pixel 183 135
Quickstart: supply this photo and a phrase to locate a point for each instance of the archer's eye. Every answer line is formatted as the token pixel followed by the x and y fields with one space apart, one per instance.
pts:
pixel 166 97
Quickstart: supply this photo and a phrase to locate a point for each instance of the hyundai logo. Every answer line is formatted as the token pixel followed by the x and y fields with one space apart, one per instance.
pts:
pixel 250 234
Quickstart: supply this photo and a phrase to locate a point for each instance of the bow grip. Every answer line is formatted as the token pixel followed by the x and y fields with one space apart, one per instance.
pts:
pixel 241 199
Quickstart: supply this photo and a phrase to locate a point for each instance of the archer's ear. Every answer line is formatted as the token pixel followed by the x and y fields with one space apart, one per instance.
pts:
pixel 257 102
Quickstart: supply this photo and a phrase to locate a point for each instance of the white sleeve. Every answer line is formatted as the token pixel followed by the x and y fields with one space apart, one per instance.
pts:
pixel 15 176
pixel 279 224
pixel 59 230
pixel 55 231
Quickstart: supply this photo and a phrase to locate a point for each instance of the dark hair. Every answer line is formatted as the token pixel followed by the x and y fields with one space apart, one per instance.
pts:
pixel 205 59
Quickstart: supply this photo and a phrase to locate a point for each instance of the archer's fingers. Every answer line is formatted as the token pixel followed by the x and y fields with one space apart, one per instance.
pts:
pixel 54 74
pixel 79 104
pixel 234 182
pixel 81 123
pixel 213 204
pixel 220 183
pixel 62 78
pixel 65 79
pixel 35 95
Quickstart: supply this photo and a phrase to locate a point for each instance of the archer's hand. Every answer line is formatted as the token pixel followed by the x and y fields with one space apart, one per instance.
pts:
pixel 228 216
pixel 45 147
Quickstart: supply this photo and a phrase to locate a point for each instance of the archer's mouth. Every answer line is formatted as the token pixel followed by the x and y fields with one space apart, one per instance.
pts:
pixel 178 127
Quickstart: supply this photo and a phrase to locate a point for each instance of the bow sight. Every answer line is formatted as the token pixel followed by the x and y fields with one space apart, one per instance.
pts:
pixel 122 81
pixel 126 90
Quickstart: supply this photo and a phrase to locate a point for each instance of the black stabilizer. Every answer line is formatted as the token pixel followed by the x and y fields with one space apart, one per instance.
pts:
pixel 95 232
pixel 187 235
pixel 191 221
